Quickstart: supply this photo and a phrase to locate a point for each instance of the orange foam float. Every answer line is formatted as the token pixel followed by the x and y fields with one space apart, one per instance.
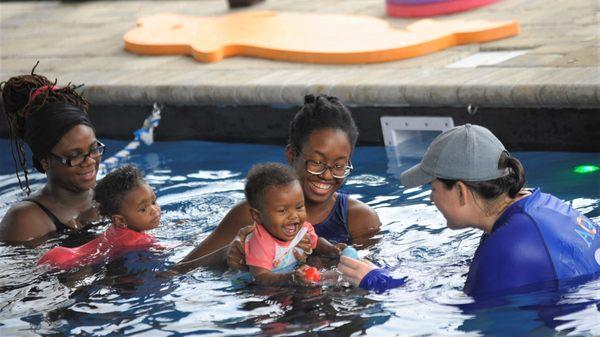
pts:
pixel 301 37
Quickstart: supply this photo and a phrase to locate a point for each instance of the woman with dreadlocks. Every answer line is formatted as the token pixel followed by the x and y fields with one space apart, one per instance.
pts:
pixel 53 122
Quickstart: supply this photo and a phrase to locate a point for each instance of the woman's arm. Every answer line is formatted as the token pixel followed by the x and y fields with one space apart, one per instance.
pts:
pixel 237 218
pixel 363 223
pixel 366 275
pixel 216 259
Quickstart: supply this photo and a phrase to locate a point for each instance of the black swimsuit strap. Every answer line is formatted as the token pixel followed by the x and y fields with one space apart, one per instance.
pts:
pixel 60 226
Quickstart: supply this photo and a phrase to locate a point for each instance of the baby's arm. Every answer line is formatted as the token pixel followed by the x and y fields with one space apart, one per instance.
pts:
pixel 265 277
pixel 326 248
pixel 321 245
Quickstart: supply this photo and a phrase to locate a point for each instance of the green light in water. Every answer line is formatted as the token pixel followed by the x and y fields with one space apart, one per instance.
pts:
pixel 586 169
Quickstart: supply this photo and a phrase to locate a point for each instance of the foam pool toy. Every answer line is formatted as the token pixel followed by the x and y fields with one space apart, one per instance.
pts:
pixel 312 274
pixel 426 8
pixel 350 252
pixel 114 242
pixel 304 37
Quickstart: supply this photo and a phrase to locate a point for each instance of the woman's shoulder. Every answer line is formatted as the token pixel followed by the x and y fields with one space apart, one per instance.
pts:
pixel 24 221
pixel 357 208
pixel 363 221
pixel 543 207
pixel 239 214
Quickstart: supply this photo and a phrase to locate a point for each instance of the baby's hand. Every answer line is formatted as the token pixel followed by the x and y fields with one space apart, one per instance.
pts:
pixel 340 246
pixel 303 249
pixel 306 275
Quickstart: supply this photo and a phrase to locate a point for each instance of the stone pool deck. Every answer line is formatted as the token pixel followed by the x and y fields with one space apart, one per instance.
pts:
pixel 547 98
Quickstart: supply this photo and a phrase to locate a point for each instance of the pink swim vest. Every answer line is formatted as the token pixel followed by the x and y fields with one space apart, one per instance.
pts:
pixel 111 244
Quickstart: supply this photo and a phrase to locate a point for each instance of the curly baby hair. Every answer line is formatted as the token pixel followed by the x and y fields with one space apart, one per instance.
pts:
pixel 112 189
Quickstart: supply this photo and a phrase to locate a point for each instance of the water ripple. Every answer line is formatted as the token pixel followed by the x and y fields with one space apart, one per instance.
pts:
pixel 126 297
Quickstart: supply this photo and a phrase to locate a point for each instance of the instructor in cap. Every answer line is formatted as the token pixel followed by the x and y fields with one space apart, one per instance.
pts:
pixel 529 238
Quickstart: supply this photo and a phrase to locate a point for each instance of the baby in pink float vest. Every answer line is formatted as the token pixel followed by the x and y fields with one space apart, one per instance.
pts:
pixel 130 203
pixel 276 204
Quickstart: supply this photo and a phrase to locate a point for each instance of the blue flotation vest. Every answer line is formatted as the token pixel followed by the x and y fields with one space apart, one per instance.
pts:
pixel 538 239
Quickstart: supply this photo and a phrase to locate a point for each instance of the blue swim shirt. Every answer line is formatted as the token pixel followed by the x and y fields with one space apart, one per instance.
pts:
pixel 538 239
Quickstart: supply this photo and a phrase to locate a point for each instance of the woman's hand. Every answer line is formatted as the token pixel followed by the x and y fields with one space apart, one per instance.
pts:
pixel 353 270
pixel 236 254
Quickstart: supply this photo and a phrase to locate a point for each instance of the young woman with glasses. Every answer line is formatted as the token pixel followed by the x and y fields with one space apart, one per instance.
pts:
pixel 322 137
pixel 53 122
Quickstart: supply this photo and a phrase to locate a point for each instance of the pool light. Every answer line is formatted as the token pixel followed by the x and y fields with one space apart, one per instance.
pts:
pixel 582 169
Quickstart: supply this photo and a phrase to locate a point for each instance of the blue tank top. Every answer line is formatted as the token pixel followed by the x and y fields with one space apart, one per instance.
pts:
pixel 538 239
pixel 335 227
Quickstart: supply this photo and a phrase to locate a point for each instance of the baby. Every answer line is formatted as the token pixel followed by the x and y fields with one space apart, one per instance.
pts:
pixel 130 203
pixel 276 204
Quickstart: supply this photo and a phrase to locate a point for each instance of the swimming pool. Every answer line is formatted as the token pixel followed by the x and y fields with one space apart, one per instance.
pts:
pixel 197 182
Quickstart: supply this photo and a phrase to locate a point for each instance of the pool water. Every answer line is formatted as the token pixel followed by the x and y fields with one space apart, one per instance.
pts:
pixel 198 182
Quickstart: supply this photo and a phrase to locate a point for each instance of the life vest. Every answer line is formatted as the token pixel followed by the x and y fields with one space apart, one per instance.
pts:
pixel 114 242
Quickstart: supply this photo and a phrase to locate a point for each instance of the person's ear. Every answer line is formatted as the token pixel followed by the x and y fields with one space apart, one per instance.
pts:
pixel 45 164
pixel 118 220
pixel 290 154
pixel 255 215
pixel 462 193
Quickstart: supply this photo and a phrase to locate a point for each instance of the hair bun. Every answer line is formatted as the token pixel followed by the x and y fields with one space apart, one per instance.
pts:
pixel 309 99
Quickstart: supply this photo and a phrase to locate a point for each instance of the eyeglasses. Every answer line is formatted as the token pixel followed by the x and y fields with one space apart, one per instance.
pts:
pixel 95 152
pixel 338 171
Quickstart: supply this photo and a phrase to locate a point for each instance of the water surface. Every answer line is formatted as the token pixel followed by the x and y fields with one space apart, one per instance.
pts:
pixel 198 182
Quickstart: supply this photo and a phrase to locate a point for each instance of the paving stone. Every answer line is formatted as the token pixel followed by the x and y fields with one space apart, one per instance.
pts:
pixel 583 57
pixel 82 42
pixel 532 60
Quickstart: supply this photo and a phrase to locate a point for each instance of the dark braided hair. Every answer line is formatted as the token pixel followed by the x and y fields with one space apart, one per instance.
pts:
pixel 262 176
pixel 20 104
pixel 111 190
pixel 321 112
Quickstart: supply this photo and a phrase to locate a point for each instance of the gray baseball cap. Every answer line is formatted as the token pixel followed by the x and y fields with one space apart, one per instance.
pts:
pixel 466 152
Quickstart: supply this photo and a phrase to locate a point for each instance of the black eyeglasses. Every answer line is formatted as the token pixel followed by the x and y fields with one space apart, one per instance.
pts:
pixel 95 152
pixel 338 171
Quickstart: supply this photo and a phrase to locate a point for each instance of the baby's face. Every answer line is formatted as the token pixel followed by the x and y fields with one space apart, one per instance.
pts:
pixel 140 210
pixel 282 210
